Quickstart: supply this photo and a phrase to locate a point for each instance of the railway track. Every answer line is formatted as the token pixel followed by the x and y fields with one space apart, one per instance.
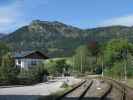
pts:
pixel 96 89
pixel 77 92
pixel 122 91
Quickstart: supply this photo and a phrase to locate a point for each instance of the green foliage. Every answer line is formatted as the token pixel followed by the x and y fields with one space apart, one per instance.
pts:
pixel 32 75
pixel 65 85
pixel 112 57
pixel 115 49
pixel 58 39
pixel 80 59
pixel 4 49
pixel 86 58
pixel 57 67
pixel 117 70
pixel 117 55
pixel 8 70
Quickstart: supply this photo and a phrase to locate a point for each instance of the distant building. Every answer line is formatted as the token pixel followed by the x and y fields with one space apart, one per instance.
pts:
pixel 29 59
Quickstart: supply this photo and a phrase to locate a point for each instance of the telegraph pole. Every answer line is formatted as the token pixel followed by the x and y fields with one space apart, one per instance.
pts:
pixel 102 66
pixel 73 63
pixel 81 64
pixel 125 63
pixel 125 70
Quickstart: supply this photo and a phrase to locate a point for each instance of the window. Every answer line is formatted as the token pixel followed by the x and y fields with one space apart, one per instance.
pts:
pixel 19 61
pixel 33 62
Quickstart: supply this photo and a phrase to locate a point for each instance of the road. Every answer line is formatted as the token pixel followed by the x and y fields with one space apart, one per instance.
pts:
pixel 39 89
pixel 35 91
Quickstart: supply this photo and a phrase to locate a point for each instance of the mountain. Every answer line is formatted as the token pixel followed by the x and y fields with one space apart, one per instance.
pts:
pixel 54 38
pixel 2 35
pixel 58 39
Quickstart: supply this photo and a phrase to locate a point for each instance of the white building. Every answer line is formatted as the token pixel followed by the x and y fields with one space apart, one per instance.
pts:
pixel 29 59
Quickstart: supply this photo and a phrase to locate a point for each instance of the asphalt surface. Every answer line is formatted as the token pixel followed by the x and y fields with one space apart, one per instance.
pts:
pixel 35 91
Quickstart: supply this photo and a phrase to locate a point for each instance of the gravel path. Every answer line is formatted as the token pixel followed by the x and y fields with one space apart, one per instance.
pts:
pixel 29 92
pixel 97 89
pixel 35 91
pixel 39 89
pixel 78 92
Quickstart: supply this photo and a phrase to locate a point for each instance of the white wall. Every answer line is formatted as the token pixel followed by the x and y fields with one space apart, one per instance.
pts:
pixel 25 63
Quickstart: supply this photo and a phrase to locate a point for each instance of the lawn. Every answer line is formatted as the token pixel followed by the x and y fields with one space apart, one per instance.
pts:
pixel 130 82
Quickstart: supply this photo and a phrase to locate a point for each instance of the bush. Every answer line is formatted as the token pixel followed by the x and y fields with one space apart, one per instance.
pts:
pixel 65 85
pixel 32 75
pixel 57 67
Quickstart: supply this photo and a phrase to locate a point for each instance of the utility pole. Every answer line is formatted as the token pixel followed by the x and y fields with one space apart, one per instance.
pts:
pixel 125 70
pixel 81 64
pixel 125 63
pixel 102 66
pixel 73 63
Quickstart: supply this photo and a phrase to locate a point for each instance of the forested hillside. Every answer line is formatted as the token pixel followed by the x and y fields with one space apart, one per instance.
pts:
pixel 58 39
pixel 2 35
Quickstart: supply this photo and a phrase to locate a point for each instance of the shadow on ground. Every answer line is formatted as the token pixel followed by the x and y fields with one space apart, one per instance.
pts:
pixel 19 97
pixel 70 98
pixel 37 97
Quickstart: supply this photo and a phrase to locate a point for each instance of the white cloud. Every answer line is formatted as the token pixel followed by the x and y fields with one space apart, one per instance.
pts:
pixel 123 20
pixel 9 15
pixel 14 15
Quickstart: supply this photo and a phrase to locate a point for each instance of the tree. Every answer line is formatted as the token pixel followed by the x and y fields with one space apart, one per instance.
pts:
pixel 115 49
pixel 87 58
pixel 83 60
pixel 116 71
pixel 96 50
pixel 59 67
pixel 8 70
pixel 4 49
pixel 116 56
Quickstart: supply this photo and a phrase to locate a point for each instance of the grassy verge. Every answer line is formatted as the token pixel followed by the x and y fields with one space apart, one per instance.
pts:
pixel 54 96
pixel 130 82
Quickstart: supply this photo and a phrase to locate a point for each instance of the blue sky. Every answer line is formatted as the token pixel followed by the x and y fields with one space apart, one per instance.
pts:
pixel 80 13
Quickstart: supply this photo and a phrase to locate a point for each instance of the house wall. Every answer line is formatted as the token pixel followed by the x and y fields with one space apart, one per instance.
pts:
pixel 26 63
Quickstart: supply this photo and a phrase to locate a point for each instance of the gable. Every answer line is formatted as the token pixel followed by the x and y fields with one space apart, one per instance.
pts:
pixel 36 55
pixel 30 55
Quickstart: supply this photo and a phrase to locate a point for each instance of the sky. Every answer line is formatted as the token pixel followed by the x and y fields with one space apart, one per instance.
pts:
pixel 80 13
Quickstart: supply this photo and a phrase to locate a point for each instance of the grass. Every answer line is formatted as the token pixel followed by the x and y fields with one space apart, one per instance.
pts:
pixel 130 82
pixel 54 96
pixel 66 89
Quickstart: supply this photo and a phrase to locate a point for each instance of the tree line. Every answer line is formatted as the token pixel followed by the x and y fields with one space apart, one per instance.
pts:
pixel 114 58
